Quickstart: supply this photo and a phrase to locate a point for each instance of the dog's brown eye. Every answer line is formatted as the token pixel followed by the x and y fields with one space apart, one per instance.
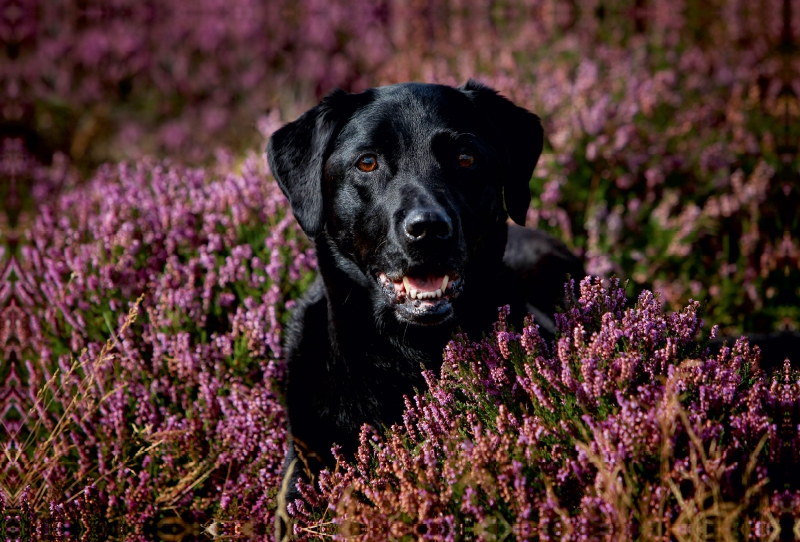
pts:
pixel 368 162
pixel 465 160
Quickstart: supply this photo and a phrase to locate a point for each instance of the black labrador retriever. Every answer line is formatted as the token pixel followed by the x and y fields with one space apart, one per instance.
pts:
pixel 406 192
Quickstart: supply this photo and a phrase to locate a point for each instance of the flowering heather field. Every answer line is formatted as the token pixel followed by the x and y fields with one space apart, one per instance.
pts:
pixel 149 261
pixel 622 429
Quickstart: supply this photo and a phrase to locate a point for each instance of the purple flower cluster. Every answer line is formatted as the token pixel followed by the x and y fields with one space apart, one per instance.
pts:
pixel 625 427
pixel 671 157
pixel 141 327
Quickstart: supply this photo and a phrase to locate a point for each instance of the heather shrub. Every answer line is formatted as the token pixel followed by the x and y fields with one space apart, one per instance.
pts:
pixel 188 273
pixel 673 178
pixel 624 428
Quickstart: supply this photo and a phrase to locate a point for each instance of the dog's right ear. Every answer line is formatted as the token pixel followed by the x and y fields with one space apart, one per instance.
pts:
pixel 297 152
pixel 523 137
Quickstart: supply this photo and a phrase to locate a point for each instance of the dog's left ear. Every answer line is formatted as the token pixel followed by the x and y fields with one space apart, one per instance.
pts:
pixel 521 133
pixel 297 151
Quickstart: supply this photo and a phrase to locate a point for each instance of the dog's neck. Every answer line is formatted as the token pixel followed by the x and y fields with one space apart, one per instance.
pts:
pixel 365 336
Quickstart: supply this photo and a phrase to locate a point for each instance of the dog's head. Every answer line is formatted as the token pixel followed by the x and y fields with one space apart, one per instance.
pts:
pixel 409 184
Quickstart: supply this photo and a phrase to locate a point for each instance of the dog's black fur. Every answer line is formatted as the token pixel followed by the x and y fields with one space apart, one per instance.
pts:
pixel 451 165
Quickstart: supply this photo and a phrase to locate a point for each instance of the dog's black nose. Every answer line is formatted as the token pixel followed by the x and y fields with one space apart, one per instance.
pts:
pixel 428 224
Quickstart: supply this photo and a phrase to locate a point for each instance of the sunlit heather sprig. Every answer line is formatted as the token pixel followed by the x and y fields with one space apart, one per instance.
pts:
pixel 629 428
pixel 47 499
pixel 183 411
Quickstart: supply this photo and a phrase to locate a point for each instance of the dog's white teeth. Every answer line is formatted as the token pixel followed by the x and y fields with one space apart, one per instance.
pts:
pixel 429 295
pixel 413 293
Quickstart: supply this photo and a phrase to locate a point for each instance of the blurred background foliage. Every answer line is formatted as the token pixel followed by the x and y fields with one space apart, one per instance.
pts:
pixel 672 154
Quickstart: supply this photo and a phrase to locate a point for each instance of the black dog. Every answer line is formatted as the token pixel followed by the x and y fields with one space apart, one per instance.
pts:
pixel 405 191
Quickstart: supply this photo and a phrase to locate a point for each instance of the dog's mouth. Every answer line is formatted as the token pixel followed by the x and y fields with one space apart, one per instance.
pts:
pixel 422 296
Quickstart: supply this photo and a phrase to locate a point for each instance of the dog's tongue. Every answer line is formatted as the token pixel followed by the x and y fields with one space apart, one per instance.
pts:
pixel 425 283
